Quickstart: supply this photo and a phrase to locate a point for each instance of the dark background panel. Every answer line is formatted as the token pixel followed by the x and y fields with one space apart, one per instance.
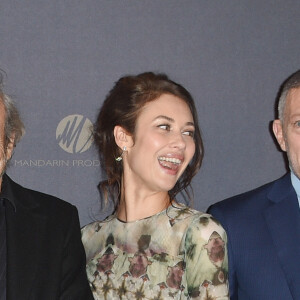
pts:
pixel 62 58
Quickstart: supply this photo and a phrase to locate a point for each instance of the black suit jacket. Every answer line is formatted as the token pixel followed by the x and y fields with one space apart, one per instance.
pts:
pixel 263 229
pixel 45 256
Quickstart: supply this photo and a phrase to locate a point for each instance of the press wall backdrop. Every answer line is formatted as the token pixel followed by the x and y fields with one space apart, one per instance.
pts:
pixel 62 57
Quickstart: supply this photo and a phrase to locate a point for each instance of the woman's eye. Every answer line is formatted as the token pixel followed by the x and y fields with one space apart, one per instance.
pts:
pixel 164 127
pixel 189 133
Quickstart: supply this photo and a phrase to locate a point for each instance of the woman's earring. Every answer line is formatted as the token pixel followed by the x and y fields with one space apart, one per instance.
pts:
pixel 119 158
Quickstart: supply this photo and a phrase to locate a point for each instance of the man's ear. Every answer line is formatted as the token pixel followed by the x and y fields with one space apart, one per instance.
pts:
pixel 279 134
pixel 10 147
pixel 122 137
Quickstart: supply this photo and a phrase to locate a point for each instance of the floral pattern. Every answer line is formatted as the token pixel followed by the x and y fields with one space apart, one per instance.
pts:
pixel 179 253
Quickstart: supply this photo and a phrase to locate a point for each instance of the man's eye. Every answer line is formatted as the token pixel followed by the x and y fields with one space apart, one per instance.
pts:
pixel 164 127
pixel 297 123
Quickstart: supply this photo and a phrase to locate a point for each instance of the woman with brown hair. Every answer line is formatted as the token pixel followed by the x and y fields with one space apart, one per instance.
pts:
pixel 152 247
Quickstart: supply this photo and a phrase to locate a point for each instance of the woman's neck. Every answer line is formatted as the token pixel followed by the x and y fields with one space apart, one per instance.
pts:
pixel 133 207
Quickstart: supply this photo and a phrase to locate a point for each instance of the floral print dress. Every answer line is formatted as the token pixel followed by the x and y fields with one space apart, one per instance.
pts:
pixel 179 253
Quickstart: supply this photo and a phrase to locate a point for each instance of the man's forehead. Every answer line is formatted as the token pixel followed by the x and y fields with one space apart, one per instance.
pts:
pixel 293 94
pixel 292 100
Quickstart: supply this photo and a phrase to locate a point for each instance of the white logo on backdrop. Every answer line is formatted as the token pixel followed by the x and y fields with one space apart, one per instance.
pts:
pixel 73 134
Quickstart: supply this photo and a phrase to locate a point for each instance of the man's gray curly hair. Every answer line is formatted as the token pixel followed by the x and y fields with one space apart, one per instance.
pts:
pixel 13 125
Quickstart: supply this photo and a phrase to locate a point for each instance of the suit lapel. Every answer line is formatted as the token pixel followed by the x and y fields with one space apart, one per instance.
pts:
pixel 24 230
pixel 283 221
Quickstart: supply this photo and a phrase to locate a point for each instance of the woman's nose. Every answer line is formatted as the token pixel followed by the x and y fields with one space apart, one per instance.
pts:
pixel 178 141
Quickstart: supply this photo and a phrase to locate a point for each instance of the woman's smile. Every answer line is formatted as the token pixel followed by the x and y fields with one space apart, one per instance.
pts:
pixel 163 144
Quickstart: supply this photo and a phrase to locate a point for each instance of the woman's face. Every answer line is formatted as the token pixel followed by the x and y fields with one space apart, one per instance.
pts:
pixel 163 144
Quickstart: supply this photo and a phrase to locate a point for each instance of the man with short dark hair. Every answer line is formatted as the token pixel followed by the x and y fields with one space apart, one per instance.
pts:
pixel 41 254
pixel 263 225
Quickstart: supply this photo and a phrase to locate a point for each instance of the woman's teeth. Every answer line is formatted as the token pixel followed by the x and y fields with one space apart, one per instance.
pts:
pixel 170 159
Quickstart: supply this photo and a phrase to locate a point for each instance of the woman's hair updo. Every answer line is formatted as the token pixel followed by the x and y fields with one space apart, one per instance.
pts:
pixel 122 107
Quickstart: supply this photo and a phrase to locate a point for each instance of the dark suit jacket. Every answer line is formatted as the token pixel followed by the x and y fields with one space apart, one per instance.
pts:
pixel 263 228
pixel 45 256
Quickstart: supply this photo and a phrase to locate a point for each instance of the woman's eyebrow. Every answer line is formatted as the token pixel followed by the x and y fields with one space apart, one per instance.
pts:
pixel 164 117
pixel 172 120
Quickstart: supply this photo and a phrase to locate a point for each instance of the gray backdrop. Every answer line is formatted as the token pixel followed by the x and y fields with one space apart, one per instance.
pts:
pixel 62 57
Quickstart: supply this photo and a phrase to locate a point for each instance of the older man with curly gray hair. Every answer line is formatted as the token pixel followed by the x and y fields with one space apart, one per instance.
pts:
pixel 41 254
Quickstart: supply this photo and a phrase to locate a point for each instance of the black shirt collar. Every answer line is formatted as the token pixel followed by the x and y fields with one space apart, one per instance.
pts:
pixel 6 192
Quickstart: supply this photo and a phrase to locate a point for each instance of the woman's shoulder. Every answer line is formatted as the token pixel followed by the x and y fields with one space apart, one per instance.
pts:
pixel 193 218
pixel 181 212
pixel 93 236
pixel 92 229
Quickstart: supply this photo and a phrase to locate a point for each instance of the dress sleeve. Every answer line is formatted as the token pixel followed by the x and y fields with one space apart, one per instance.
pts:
pixel 206 259
pixel 218 213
